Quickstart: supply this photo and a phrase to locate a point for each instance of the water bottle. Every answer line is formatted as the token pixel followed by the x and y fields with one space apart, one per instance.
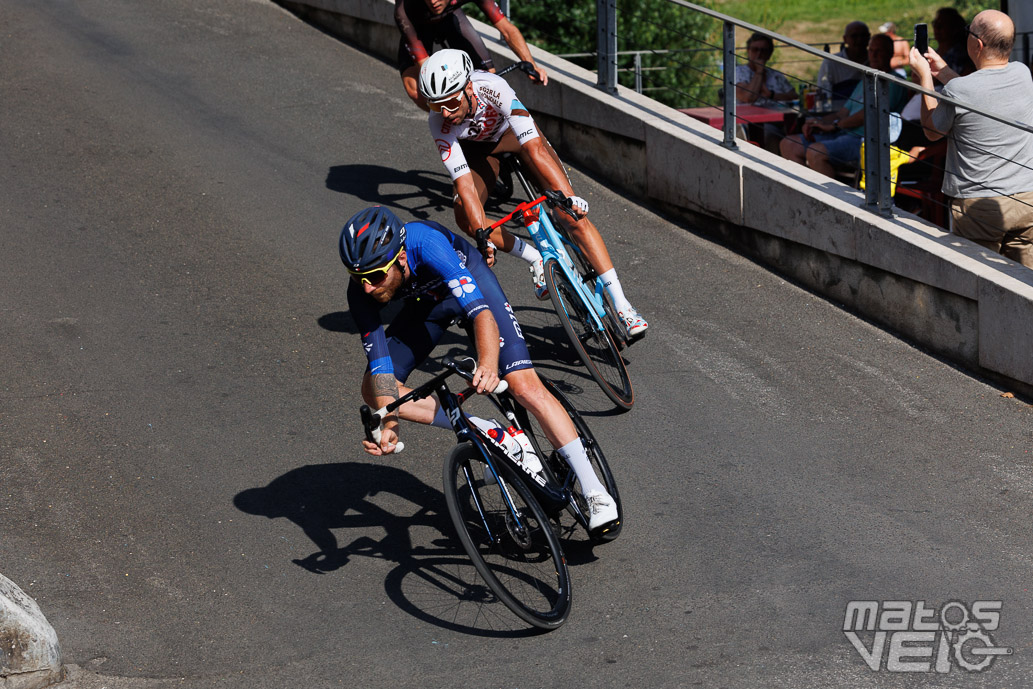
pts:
pixel 825 94
pixel 528 457
pixel 494 431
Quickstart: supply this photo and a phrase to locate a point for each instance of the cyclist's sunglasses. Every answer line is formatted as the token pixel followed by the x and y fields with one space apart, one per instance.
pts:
pixel 450 105
pixel 376 275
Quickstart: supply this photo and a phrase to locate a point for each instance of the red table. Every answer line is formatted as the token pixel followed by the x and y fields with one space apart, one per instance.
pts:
pixel 751 117
pixel 752 114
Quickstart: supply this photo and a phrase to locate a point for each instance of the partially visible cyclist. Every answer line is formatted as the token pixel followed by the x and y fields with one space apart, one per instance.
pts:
pixel 426 22
pixel 441 277
pixel 475 117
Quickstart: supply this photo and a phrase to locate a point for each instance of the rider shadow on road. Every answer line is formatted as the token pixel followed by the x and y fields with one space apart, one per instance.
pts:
pixel 321 498
pixel 433 582
pixel 414 191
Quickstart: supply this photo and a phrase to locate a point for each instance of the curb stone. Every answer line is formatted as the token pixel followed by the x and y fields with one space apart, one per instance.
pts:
pixel 30 655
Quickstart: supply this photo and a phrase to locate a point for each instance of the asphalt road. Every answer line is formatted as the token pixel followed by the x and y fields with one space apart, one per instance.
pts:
pixel 178 405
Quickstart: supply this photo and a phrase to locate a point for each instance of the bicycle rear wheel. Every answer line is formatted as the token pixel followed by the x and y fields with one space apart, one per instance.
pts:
pixel 595 347
pixel 559 468
pixel 518 554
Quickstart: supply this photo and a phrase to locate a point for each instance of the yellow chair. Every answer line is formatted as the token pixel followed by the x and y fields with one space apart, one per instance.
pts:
pixel 898 157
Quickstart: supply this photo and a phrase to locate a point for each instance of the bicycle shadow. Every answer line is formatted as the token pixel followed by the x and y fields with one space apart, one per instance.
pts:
pixel 555 358
pixel 342 322
pixel 384 186
pixel 435 581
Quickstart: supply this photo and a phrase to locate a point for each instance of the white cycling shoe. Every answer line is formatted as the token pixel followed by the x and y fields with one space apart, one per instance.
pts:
pixel 541 291
pixel 602 509
pixel 634 322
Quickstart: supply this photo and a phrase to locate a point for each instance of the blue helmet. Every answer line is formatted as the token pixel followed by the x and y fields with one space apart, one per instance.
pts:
pixel 371 238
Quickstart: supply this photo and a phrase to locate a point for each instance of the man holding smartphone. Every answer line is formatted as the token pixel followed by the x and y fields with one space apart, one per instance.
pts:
pixel 989 169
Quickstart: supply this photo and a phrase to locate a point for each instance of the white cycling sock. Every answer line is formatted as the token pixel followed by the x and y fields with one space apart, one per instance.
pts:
pixel 575 455
pixel 522 249
pixel 613 286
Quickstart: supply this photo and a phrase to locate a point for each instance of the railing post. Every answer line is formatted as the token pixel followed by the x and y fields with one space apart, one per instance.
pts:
pixel 728 46
pixel 638 72
pixel 877 186
pixel 606 41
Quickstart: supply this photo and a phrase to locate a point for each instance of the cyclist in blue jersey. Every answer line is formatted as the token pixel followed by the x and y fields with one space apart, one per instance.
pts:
pixel 441 277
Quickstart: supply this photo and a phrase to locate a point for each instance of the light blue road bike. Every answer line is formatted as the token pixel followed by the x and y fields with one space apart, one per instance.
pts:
pixel 584 309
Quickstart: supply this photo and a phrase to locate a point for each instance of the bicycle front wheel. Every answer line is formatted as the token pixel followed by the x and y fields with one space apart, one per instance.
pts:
pixel 594 345
pixel 508 537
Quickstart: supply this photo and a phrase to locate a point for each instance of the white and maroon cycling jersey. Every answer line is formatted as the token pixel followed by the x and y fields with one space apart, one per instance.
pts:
pixel 494 105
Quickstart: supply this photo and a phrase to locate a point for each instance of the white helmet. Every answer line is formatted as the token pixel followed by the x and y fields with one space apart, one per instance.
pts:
pixel 444 73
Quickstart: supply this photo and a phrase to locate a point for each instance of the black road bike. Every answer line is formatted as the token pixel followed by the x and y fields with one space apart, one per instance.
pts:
pixel 509 517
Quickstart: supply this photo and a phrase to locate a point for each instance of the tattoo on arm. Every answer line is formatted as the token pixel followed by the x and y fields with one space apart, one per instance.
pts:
pixel 385 385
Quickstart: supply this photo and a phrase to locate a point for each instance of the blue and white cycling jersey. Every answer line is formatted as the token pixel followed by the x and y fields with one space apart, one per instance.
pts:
pixel 449 278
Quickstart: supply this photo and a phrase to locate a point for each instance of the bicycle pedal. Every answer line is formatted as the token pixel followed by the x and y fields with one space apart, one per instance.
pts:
pixel 606 532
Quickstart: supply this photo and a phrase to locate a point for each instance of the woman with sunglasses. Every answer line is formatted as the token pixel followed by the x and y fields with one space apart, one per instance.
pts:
pixel 475 117
pixel 441 277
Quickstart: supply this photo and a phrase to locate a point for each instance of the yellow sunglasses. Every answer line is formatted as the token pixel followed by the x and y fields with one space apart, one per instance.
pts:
pixel 376 275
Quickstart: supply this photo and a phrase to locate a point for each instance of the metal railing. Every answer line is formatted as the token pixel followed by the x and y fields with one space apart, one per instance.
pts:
pixel 878 186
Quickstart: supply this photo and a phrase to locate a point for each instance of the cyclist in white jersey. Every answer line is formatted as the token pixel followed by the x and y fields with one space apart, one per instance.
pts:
pixel 475 117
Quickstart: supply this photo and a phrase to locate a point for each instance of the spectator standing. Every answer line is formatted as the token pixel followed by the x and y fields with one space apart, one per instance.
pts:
pixel 841 79
pixel 989 168
pixel 835 139
pixel 755 83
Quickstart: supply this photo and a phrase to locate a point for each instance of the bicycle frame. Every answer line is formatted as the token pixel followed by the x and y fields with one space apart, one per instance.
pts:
pixel 550 496
pixel 551 244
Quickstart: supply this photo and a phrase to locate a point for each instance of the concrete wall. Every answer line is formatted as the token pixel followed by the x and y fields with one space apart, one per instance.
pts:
pixel 943 292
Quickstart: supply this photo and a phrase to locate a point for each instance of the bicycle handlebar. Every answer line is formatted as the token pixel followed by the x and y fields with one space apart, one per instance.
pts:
pixel 464 366
pixel 555 199
pixel 523 66
pixel 481 236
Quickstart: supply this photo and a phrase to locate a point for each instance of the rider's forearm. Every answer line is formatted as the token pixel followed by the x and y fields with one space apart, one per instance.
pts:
pixel 486 340
pixel 381 389
pixel 473 209
pixel 515 40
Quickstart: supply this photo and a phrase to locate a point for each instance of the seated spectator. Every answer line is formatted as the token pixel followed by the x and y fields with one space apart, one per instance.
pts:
pixel 951 33
pixel 841 79
pixel 835 139
pixel 754 82
pixel 901 48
